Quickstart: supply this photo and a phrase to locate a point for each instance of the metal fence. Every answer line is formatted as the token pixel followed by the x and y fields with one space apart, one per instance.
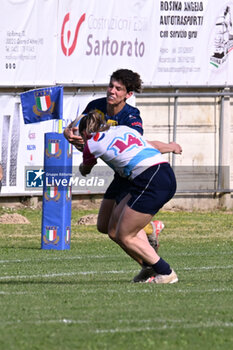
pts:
pixel 217 177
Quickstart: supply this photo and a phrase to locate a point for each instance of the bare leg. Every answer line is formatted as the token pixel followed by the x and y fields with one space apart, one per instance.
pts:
pixel 131 238
pixel 113 227
pixel 105 212
pixel 114 219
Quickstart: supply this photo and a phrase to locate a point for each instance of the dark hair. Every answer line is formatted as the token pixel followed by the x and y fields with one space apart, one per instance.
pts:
pixel 93 122
pixel 130 79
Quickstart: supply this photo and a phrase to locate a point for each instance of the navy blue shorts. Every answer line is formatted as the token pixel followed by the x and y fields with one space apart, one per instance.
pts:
pixel 118 188
pixel 152 189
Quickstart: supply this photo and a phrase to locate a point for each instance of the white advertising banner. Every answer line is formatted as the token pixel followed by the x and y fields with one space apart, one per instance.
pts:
pixel 169 43
pixel 28 41
pixel 195 41
pixel 98 37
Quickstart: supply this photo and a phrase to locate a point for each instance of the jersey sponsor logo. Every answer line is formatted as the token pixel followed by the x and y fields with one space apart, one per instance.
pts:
pixel 136 124
pixel 98 137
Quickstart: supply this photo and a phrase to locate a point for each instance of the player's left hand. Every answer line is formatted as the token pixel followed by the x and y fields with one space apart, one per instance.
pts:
pixel 177 149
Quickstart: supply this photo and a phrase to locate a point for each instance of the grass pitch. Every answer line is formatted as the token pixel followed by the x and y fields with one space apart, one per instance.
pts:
pixel 83 299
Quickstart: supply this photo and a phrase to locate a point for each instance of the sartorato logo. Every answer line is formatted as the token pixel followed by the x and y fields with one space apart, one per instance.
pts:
pixel 104 36
pixel 69 50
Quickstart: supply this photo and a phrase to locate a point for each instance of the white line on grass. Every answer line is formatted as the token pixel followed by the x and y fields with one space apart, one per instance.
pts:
pixel 14 293
pixel 42 322
pixel 191 290
pixel 166 326
pixel 200 253
pixel 137 291
pixel 207 268
pixel 91 322
pixel 65 274
pixel 62 274
pixel 79 257
pixel 148 290
pixel 160 325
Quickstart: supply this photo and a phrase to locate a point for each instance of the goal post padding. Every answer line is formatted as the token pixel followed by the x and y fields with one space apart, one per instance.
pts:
pixel 56 207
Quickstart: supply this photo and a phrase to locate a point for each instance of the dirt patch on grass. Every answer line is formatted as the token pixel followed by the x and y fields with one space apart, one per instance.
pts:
pixel 13 219
pixel 90 219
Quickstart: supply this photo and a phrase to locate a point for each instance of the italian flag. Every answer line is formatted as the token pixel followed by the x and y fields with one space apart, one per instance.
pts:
pixel 70 148
pixel 67 235
pixel 52 191
pixel 69 192
pixel 51 234
pixel 53 146
pixel 43 102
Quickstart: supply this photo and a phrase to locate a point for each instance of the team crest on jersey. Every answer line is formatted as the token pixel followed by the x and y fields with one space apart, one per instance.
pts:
pixel 50 235
pixel 53 149
pixel 125 143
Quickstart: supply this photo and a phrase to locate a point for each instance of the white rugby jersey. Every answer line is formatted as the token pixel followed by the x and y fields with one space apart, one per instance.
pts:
pixel 122 148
